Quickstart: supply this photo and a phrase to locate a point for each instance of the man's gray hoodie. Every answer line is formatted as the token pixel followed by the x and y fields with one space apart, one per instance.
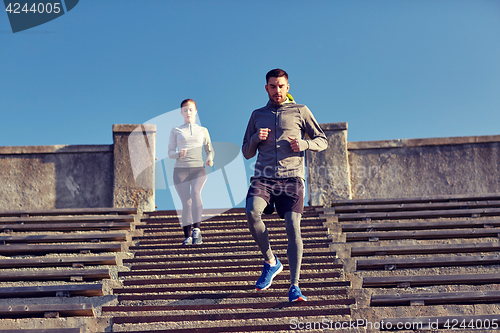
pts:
pixel 276 158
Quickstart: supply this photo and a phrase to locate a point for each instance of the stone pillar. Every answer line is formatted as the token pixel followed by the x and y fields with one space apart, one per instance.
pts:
pixel 328 174
pixel 134 167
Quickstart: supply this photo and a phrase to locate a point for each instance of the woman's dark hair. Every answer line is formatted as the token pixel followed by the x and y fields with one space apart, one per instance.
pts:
pixel 187 100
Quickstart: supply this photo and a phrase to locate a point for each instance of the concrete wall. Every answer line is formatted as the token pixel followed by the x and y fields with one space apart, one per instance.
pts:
pixel 414 168
pixel 402 168
pixel 47 177
pixel 328 172
pixel 122 174
pixel 134 167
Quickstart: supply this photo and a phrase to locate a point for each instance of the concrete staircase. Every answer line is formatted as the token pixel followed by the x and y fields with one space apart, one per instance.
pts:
pixel 421 263
pixel 430 260
pixel 211 287
pixel 58 266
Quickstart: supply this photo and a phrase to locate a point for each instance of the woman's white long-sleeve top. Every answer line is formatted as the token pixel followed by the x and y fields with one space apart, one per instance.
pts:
pixel 193 138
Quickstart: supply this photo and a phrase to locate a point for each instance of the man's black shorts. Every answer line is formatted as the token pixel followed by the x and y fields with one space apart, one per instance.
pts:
pixel 287 193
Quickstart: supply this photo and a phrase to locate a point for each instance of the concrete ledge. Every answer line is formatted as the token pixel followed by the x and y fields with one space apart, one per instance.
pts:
pixel 334 126
pixel 129 128
pixel 406 143
pixel 57 149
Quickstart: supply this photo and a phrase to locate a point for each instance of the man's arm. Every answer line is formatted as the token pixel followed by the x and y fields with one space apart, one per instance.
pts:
pixel 252 138
pixel 318 140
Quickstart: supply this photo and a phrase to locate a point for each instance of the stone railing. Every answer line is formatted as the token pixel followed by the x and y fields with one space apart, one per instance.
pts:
pixel 74 176
pixel 402 168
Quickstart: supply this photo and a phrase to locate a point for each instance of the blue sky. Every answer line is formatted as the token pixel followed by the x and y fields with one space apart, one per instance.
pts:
pixel 392 69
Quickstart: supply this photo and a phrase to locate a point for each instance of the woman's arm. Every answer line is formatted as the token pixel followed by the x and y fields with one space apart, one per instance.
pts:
pixel 209 149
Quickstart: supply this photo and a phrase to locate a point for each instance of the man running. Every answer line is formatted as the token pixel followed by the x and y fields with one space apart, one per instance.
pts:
pixel 277 133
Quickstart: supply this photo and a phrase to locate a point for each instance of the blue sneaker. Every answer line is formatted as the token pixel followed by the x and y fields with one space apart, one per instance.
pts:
pixel 268 274
pixel 294 295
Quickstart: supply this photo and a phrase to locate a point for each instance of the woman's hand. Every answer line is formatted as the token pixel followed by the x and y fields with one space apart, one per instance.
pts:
pixel 210 163
pixel 182 153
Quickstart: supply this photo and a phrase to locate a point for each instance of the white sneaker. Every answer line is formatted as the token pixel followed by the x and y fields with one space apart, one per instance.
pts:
pixel 197 239
pixel 188 241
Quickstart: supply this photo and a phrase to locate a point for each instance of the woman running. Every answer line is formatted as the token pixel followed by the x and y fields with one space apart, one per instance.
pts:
pixel 185 146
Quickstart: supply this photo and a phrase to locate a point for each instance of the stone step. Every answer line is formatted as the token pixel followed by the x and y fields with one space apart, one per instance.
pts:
pixel 68 211
pixel 266 314
pixel 206 269
pixel 87 290
pixel 192 278
pixel 279 290
pixel 221 219
pixel 46 310
pixel 215 258
pixel 50 330
pixel 129 310
pixel 448 213
pixel 225 248
pixel 426 199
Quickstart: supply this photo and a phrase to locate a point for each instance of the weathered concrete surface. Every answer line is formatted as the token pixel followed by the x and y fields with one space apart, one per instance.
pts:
pixel 134 167
pixel 123 174
pixel 86 324
pixel 328 171
pixel 401 168
pixel 424 167
pixel 46 177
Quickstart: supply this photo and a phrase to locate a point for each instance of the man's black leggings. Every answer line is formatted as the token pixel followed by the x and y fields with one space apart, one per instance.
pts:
pixel 254 208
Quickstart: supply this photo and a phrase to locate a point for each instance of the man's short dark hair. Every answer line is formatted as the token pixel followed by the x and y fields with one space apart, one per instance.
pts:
pixel 277 72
